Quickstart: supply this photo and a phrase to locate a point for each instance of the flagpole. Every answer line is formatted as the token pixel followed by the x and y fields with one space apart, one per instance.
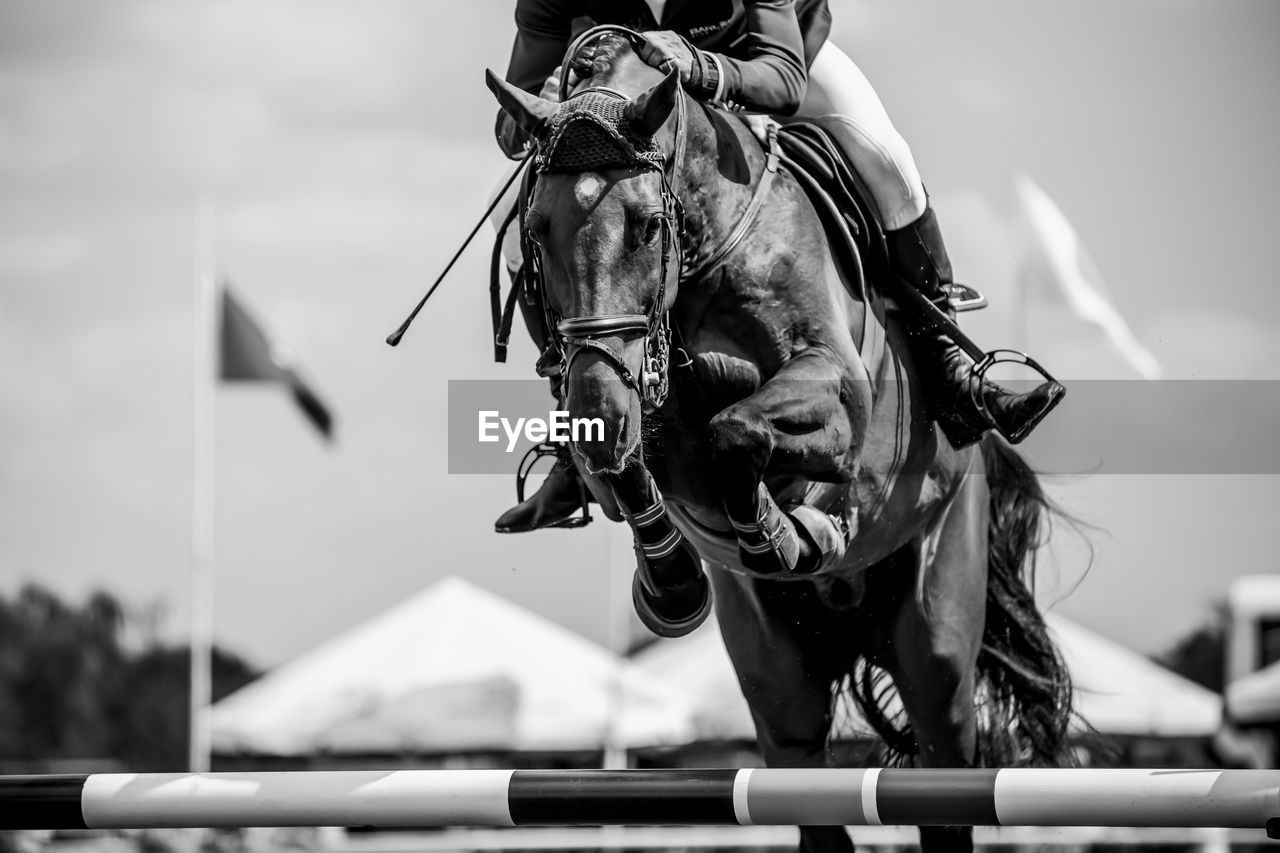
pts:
pixel 1021 308
pixel 202 497
pixel 610 757
pixel 1021 298
pixel 621 563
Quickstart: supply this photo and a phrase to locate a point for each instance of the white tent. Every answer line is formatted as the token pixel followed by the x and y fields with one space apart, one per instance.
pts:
pixel 699 666
pixel 455 668
pixel 1117 690
pixel 1121 692
pixel 1255 698
pixel 1253 687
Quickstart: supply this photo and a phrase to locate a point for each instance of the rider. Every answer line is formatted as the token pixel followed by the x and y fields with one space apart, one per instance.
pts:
pixel 773 57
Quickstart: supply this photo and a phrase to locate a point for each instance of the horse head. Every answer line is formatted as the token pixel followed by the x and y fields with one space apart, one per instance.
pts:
pixel 602 230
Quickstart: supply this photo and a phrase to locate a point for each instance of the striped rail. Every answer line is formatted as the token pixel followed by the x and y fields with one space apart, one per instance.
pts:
pixel 1020 797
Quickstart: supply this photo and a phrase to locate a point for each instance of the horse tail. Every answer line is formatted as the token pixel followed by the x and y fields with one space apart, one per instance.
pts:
pixel 1024 686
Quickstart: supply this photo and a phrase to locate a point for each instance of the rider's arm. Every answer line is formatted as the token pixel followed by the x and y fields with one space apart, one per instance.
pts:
pixel 542 35
pixel 771 78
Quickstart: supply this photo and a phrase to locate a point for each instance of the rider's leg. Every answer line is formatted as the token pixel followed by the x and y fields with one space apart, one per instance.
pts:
pixel 559 498
pixel 562 493
pixel 838 87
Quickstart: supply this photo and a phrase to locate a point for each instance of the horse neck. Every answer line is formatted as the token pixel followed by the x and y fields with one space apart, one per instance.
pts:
pixel 716 176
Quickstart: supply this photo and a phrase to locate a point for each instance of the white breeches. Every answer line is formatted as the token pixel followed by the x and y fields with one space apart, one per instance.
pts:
pixel 837 86
pixel 511 240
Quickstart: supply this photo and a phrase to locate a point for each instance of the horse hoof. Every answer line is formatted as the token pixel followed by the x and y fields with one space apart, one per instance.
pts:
pixel 658 618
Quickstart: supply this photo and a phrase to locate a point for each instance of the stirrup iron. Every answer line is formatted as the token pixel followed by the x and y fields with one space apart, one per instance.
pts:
pixel 525 468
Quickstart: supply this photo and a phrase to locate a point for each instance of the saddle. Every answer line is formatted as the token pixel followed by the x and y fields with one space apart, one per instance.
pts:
pixel 813 152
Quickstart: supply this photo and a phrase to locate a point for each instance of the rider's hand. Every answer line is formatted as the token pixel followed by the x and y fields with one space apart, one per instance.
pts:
pixel 760 126
pixel 665 50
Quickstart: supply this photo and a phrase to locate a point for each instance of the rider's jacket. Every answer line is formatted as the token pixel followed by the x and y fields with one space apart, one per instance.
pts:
pixel 763 47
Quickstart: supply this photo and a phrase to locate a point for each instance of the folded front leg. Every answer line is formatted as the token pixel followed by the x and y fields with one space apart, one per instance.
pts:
pixel 809 421
pixel 669 590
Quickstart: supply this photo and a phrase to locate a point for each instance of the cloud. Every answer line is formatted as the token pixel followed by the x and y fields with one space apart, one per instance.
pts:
pixel 39 255
pixel 1210 343
pixel 330 222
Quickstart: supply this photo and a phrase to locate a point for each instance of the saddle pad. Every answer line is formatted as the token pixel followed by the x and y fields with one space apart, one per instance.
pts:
pixel 857 240
pixel 811 146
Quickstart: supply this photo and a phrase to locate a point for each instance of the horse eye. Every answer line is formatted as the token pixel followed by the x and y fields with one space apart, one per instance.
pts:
pixel 652 229
pixel 535 225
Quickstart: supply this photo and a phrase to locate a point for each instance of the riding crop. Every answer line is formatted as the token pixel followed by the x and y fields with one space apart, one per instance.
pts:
pixel 394 338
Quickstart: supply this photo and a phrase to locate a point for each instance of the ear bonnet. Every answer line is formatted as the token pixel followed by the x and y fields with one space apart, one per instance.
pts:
pixel 591 132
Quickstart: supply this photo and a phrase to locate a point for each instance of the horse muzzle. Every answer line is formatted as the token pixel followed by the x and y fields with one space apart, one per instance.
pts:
pixel 598 393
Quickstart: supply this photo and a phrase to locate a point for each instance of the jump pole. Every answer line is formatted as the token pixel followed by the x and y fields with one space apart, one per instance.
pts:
pixel 494 798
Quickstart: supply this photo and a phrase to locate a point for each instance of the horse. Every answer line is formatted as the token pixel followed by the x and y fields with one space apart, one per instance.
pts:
pixel 764 419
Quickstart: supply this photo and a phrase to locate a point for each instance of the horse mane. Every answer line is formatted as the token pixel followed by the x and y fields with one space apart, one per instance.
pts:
pixel 597 57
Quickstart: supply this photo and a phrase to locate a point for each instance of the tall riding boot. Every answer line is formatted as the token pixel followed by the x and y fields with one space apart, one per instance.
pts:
pixel 920 258
pixel 560 496
pixel 563 492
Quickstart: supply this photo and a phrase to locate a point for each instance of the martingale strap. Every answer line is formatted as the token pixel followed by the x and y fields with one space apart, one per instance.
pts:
pixel 748 217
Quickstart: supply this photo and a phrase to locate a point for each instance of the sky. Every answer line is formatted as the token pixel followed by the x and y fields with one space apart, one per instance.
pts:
pixel 347 151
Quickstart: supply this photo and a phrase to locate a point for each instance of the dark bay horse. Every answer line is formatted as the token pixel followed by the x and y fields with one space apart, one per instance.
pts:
pixel 763 415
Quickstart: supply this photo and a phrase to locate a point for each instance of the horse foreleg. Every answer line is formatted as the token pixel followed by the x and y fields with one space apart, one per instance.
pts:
pixel 784 654
pixel 670 593
pixel 807 421
pixel 936 637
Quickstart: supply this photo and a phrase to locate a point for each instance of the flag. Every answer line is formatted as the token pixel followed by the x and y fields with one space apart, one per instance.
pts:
pixel 1054 254
pixel 245 353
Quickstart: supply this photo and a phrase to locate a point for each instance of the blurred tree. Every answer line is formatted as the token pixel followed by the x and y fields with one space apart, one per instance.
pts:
pixel 1199 655
pixel 152 705
pixel 72 689
pixel 55 662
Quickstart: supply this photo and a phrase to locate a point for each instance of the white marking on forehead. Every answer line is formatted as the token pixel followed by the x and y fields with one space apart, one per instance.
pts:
pixel 588 188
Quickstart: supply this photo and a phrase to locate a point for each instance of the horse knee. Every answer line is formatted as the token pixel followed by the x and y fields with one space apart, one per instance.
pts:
pixel 943 695
pixel 793 728
pixel 739 439
pixel 946 668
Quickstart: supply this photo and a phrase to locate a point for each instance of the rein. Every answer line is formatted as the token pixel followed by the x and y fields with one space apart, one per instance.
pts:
pixel 572 336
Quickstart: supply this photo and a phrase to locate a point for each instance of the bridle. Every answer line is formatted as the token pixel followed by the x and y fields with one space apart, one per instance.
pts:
pixel 598 333
pixel 603 333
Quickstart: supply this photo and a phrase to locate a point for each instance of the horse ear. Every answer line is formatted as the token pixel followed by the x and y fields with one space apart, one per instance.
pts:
pixel 529 111
pixel 648 111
